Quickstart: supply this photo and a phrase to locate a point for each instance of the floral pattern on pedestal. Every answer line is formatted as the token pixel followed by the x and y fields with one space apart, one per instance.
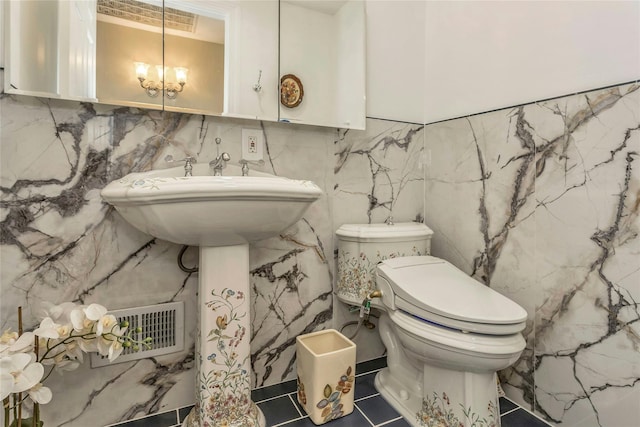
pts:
pixel 437 412
pixel 356 274
pixel 226 381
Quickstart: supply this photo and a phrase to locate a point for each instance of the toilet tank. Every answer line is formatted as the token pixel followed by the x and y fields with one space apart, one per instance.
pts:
pixel 362 246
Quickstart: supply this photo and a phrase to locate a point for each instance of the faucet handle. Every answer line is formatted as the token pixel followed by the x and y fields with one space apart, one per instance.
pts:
pixel 220 160
pixel 245 165
pixel 169 159
pixel 188 161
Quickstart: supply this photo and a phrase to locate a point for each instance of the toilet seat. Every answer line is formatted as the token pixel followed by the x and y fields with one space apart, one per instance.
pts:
pixel 432 290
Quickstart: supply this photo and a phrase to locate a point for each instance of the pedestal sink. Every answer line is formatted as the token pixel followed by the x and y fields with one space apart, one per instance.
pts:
pixel 221 215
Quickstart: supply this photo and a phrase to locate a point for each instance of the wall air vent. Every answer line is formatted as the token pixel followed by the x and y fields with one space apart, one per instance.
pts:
pixel 148 14
pixel 164 323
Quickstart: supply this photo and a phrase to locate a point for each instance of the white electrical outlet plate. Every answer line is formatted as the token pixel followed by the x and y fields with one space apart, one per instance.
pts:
pixel 252 144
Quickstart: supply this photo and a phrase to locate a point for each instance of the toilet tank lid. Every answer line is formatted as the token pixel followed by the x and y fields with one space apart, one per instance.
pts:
pixel 384 232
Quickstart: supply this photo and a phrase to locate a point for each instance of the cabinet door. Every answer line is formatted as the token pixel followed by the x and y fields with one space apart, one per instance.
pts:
pixel 221 57
pixel 322 63
pixel 32 47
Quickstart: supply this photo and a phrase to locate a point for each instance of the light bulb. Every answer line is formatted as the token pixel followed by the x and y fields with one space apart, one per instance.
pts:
pixel 141 70
pixel 181 74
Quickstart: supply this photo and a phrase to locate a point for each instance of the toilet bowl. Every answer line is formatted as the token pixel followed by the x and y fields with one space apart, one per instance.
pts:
pixel 446 334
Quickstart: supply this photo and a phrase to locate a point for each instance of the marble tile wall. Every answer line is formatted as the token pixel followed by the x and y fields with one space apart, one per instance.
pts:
pixel 60 242
pixel 378 176
pixel 541 202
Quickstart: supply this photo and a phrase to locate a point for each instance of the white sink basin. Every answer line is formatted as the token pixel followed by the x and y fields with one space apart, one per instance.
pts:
pixel 205 210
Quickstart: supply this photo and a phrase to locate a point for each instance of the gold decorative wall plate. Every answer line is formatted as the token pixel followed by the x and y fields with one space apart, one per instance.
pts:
pixel 291 91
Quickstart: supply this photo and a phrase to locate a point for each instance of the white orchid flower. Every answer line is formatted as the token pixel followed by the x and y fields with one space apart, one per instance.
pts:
pixel 6 382
pixel 40 394
pixel 103 345
pixel 25 372
pixel 11 343
pixel 74 351
pixel 95 312
pixel 106 324
pixel 64 331
pixel 63 363
pixel 109 345
pixel 80 321
pixel 59 313
pixel 88 345
pixel 48 329
pixel 8 337
pixel 83 318
pixel 114 350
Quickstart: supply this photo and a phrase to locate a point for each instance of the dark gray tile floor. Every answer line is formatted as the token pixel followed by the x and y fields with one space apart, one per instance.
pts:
pixel 280 407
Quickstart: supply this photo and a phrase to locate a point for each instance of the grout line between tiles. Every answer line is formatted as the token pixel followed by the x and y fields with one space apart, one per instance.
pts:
pixel 518 406
pixel 510 411
pixel 125 423
pixel 368 372
pixel 367 397
pixel 268 399
pixel 390 421
pixel 363 414
pixel 288 422
pixel 294 404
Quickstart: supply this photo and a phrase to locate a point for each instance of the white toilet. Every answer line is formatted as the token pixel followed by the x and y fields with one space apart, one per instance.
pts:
pixel 446 334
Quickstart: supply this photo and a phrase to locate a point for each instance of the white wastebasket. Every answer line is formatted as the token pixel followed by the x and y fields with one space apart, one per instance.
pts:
pixel 326 368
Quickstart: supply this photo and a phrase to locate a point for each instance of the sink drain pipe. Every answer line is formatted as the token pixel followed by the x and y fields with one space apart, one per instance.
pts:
pixel 181 264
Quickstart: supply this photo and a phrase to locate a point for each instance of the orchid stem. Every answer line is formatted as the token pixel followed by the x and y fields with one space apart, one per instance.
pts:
pixel 36 414
pixel 7 412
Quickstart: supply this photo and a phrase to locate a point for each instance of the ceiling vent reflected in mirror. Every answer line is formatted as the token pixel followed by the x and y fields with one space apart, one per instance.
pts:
pixel 148 14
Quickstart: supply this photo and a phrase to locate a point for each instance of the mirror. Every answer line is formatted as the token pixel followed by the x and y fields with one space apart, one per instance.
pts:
pixel 218 57
pixel 128 32
pixel 50 48
pixel 322 62
pixel 196 56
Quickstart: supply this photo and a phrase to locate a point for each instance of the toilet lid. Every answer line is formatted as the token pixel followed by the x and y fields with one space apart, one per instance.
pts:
pixel 435 290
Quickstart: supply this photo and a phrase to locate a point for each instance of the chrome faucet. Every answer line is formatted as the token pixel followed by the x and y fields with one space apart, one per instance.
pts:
pixel 188 163
pixel 219 163
pixel 245 165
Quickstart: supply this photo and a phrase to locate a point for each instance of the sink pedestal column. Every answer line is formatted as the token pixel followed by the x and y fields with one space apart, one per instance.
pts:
pixel 223 353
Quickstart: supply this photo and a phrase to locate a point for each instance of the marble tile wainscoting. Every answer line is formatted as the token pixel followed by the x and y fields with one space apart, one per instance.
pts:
pixel 541 202
pixel 60 242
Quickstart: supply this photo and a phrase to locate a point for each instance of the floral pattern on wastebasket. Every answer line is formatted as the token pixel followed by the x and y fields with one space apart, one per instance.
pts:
pixel 331 405
pixel 437 412
pixel 356 274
